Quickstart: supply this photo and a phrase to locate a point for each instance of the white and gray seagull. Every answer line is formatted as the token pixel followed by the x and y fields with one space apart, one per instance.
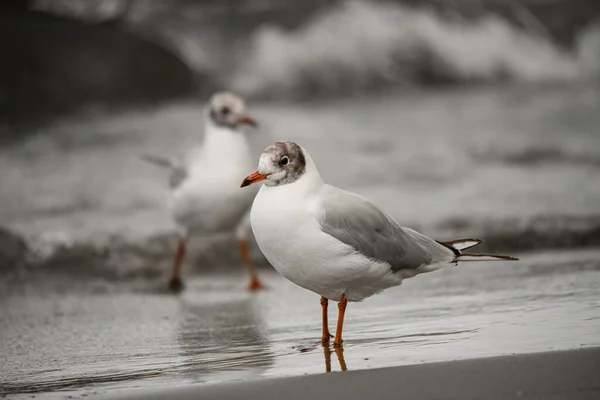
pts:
pixel 204 199
pixel 336 243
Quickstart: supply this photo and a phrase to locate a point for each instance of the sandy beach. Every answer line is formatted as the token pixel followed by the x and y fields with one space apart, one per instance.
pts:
pixel 562 375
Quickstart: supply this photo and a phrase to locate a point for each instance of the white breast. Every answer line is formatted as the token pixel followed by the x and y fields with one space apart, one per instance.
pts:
pixel 210 199
pixel 285 222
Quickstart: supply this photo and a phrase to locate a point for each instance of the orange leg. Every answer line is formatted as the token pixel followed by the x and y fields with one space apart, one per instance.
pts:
pixel 255 283
pixel 342 310
pixel 175 283
pixel 326 335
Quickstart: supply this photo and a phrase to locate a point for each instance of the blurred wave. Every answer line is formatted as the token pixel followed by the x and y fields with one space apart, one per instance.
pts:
pixel 142 263
pixel 277 50
pixel 358 44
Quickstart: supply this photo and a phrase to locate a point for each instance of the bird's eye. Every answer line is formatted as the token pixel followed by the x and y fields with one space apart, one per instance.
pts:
pixel 225 110
pixel 284 160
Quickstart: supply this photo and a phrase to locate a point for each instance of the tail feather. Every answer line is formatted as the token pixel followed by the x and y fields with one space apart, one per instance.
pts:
pixel 157 160
pixel 484 257
pixel 457 246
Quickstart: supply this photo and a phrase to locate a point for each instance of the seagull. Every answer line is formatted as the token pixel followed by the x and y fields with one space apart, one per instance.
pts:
pixel 336 243
pixel 204 199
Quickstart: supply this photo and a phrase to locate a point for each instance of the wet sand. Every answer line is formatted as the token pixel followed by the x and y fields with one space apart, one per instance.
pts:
pixel 561 375
pixel 68 340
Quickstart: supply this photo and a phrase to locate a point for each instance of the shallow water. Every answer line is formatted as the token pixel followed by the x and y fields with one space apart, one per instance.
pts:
pixel 516 165
pixel 83 343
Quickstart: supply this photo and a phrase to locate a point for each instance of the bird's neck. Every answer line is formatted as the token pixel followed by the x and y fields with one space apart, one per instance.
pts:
pixel 219 141
pixel 312 178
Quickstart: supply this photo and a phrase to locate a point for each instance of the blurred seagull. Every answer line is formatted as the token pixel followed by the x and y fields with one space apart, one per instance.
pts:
pixel 204 199
pixel 336 243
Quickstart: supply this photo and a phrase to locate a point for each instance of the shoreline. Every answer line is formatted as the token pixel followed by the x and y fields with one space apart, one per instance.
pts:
pixel 568 374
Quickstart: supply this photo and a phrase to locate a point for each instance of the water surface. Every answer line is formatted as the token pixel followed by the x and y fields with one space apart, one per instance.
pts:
pixel 80 343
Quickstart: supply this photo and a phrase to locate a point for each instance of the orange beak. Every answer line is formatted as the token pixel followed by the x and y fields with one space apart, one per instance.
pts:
pixel 255 177
pixel 246 119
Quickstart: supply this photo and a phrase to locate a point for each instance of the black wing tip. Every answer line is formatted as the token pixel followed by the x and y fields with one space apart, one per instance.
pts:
pixel 459 244
pixel 449 246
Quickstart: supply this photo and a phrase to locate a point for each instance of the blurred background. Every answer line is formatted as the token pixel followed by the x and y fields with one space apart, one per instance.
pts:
pixel 459 117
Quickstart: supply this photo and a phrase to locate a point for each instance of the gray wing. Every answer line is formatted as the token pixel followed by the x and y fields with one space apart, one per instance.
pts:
pixel 358 223
pixel 178 171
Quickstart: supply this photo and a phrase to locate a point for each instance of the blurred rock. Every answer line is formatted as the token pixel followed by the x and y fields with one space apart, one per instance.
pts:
pixel 564 19
pixel 15 5
pixel 13 250
pixel 54 65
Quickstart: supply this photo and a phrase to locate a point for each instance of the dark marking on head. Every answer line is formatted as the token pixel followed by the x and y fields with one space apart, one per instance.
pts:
pixel 225 108
pixel 289 158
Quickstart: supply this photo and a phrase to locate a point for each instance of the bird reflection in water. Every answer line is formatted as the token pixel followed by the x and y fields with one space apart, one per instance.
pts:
pixel 220 335
pixel 339 352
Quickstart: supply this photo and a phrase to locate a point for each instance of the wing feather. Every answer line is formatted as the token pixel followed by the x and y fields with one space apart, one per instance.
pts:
pixel 178 171
pixel 358 223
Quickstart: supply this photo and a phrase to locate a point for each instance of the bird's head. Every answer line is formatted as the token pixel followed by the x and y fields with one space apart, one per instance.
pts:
pixel 281 163
pixel 225 109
